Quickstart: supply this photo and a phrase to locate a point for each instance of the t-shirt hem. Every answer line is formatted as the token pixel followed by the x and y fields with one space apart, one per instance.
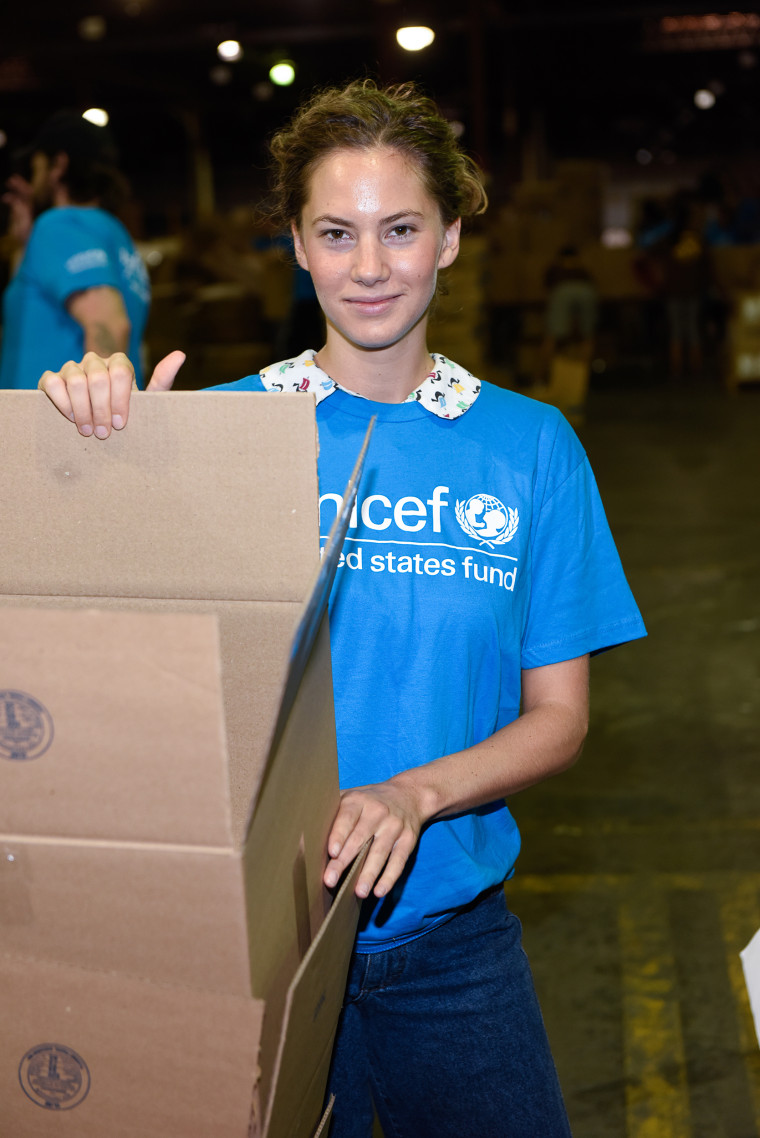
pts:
pixel 367 949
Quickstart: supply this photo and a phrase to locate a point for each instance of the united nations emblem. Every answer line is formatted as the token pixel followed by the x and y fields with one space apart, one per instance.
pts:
pixel 487 519
pixel 54 1076
pixel 26 726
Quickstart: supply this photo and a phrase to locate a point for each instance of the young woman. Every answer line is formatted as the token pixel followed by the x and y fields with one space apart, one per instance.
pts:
pixel 479 576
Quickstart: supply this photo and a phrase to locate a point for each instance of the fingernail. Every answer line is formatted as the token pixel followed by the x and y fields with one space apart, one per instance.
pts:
pixel 117 422
pixel 362 890
pixel 101 433
pixel 330 879
pixel 86 429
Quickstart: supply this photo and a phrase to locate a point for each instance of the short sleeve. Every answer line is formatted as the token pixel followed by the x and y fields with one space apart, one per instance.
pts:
pixel 580 600
pixel 65 257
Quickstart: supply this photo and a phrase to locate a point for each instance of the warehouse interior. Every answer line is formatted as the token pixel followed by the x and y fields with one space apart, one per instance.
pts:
pixel 598 126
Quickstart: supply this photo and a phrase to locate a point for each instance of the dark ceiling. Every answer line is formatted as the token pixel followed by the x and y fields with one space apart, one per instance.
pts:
pixel 594 80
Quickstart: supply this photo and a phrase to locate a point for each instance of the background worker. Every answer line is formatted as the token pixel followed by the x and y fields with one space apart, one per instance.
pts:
pixel 80 285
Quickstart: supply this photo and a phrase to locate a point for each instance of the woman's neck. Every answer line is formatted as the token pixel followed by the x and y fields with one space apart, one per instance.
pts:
pixel 385 375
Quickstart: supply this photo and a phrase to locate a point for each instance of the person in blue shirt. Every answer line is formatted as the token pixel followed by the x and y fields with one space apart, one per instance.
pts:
pixel 478 576
pixel 80 284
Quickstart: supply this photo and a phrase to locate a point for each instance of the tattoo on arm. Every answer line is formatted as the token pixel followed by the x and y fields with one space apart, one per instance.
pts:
pixel 100 339
pixel 103 316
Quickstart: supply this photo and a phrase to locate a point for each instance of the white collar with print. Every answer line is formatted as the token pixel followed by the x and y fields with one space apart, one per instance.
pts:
pixel 448 391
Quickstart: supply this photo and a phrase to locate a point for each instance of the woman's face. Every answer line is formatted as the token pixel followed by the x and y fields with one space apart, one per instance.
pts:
pixel 373 240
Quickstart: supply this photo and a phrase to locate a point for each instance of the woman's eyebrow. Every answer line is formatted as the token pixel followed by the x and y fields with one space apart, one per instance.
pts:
pixel 326 218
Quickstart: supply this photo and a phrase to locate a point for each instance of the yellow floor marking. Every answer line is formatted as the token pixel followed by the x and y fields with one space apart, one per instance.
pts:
pixel 620 883
pixel 657 1098
pixel 740 919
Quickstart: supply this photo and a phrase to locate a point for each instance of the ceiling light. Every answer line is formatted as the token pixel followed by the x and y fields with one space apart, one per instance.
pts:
pixel 283 73
pixel 96 115
pixel 92 28
pixel 229 50
pixel 704 99
pixel 414 39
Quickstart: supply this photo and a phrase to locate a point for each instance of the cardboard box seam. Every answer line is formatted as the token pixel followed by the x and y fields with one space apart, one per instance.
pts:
pixel 224 599
pixel 58 966
pixel 106 844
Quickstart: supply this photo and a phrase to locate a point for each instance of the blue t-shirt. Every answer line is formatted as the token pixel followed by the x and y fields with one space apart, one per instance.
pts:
pixel 478 547
pixel 71 248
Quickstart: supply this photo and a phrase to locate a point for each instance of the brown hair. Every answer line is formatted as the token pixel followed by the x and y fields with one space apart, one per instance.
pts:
pixel 361 116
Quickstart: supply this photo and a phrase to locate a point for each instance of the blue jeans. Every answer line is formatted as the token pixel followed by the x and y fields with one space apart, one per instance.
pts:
pixel 445 1035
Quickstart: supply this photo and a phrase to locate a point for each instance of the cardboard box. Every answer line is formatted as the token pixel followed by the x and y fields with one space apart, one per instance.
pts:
pixel 170 963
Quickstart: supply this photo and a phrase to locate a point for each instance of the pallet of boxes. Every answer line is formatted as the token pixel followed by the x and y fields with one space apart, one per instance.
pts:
pixel 170 963
pixel 545 216
pixel 743 363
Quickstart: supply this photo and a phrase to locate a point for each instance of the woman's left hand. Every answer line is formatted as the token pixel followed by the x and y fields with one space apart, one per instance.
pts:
pixel 390 814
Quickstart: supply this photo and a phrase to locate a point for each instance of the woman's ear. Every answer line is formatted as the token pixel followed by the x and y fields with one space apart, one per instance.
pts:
pixel 450 246
pixel 298 246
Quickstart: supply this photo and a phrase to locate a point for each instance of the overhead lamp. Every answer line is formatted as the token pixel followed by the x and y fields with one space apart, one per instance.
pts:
pixel 282 73
pixel 415 39
pixel 704 99
pixel 96 115
pixel 92 28
pixel 229 50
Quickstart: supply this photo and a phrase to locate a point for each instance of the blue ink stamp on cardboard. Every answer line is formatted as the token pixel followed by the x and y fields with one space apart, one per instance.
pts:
pixel 54 1076
pixel 26 726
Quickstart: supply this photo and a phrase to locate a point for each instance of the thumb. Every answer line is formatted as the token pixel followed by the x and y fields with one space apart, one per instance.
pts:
pixel 165 372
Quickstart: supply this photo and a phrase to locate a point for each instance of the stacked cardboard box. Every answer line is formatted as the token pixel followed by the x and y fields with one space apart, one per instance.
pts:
pixel 543 216
pixel 580 200
pixel 170 963
pixel 744 340
pixel 457 316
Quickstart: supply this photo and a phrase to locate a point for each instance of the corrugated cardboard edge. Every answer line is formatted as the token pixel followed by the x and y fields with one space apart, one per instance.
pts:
pixel 325 1120
pixel 315 994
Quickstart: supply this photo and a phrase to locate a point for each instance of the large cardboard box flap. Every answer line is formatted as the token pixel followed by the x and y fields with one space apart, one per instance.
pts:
pixel 201 495
pixel 307 1030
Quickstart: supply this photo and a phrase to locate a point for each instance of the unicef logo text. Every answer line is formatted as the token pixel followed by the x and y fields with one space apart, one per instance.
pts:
pixel 487 519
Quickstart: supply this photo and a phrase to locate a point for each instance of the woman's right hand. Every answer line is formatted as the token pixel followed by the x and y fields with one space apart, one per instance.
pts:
pixel 95 393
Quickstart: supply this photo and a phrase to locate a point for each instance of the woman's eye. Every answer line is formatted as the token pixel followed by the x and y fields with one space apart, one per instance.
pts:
pixel 401 230
pixel 335 235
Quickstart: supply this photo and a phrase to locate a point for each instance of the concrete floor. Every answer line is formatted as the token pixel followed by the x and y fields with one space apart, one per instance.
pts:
pixel 640 877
